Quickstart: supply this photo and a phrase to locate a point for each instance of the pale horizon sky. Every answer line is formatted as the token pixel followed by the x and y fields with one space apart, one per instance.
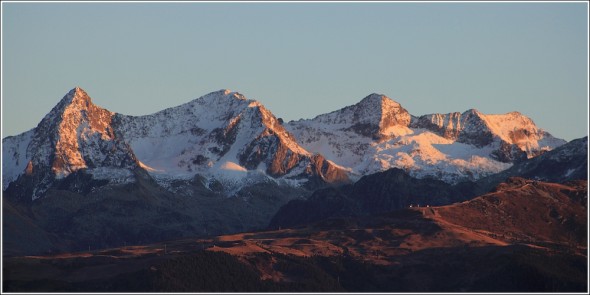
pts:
pixel 300 59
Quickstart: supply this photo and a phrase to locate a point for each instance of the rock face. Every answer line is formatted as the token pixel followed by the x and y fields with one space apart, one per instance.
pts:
pixel 223 135
pixel 75 135
pixel 518 135
pixel 375 116
pixel 84 137
pixel 377 134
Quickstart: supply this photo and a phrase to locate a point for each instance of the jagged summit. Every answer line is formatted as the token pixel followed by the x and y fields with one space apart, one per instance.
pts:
pixel 373 98
pixel 74 135
pixel 378 133
pixel 388 111
pixel 223 134
pixel 222 103
pixel 75 98
pixel 378 100
pixel 375 116
pixel 228 93
pixel 76 95
pixel 516 134
pixel 515 113
pixel 75 109
pixel 226 96
pixel 471 112
pixel 79 90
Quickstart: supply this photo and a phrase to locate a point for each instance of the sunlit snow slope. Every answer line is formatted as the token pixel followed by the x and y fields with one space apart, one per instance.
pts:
pixel 224 136
pixel 378 133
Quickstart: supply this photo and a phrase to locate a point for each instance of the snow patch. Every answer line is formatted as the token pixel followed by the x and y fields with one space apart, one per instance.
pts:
pixel 146 167
pixel 15 157
pixel 231 166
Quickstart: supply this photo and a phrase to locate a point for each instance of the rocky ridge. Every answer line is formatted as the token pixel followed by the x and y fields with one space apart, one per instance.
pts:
pixel 222 136
pixel 377 134
pixel 74 135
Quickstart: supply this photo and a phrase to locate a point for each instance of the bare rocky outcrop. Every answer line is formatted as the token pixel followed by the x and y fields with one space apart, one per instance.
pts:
pixel 74 135
pixel 517 137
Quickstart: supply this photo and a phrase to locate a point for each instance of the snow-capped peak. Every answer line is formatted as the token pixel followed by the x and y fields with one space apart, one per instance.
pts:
pixel 375 116
pixel 78 95
pixel 225 131
pixel 79 123
pixel 378 133
pixel 226 93
pixel 205 134
pixel 373 99
pixel 472 112
pixel 74 135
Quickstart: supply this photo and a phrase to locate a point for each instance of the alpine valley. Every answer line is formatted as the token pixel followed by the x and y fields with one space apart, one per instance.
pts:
pixel 365 198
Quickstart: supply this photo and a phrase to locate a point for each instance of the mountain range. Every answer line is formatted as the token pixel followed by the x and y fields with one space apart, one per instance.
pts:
pixel 369 194
pixel 221 135
pixel 230 140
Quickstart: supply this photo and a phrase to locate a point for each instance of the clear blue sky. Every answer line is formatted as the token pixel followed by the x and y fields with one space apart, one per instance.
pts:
pixel 298 59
